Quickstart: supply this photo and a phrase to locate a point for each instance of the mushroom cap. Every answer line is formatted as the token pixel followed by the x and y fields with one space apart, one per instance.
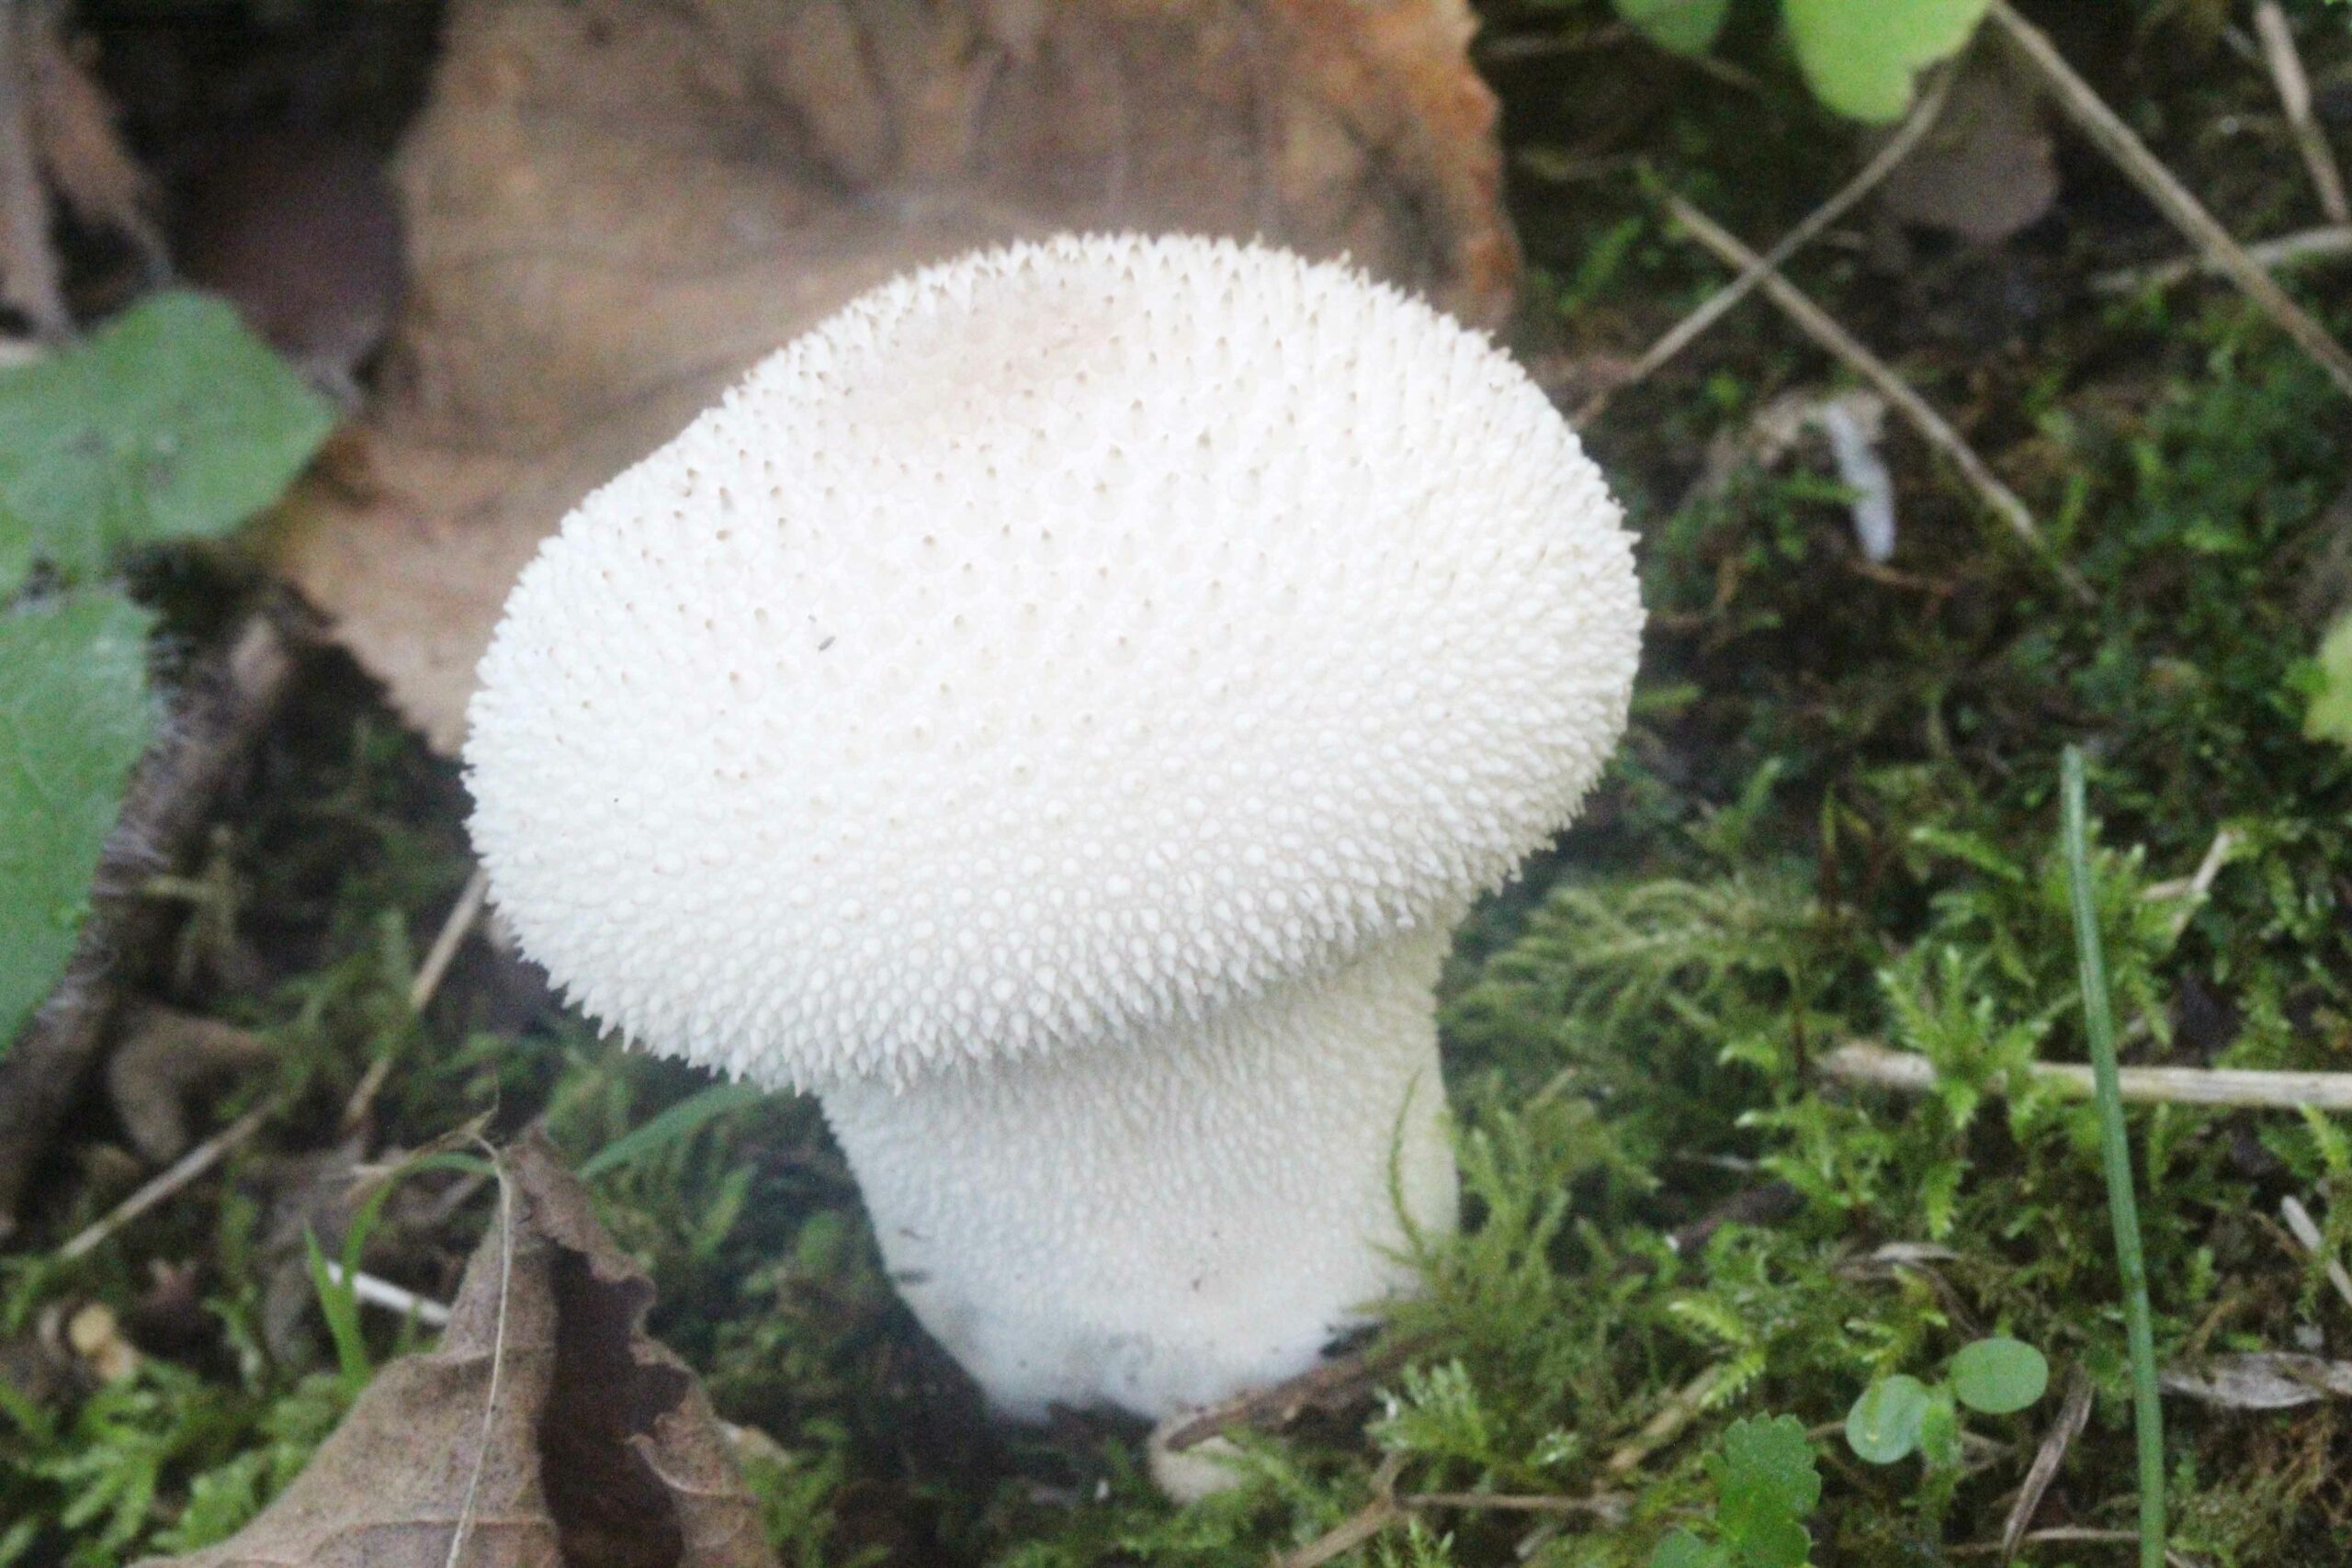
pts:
pixel 1056 643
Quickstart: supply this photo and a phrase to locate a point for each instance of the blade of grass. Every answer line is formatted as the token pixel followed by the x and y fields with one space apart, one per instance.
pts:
pixel 682 1121
pixel 2099 1018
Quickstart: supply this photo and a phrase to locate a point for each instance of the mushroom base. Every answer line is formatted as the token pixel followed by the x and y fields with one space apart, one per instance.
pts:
pixel 1164 1223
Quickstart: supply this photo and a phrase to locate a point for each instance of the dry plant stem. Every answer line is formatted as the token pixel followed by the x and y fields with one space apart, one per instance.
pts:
pixel 2304 246
pixel 220 715
pixel 1868 1063
pixel 1604 1503
pixel 1818 325
pixel 1335 1385
pixel 1356 1528
pixel 506 1222
pixel 2306 1233
pixel 2072 1416
pixel 2106 128
pixel 2286 65
pixel 1687 331
pixel 455 928
pixel 190 1166
pixel 1663 1427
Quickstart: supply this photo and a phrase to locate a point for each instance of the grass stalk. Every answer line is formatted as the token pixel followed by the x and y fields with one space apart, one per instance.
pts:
pixel 2099 1018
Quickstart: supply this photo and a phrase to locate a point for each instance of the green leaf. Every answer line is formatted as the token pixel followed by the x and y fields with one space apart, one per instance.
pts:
pixel 1861 55
pixel 1767 1483
pixel 74 718
pixel 1685 27
pixel 1999 1375
pixel 1940 1430
pixel 171 422
pixel 1683 1550
pixel 674 1125
pixel 2330 715
pixel 1883 1425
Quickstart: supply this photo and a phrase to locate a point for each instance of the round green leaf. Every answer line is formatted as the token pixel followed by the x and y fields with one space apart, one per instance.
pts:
pixel 1861 55
pixel 1883 1425
pixel 1686 27
pixel 1997 1376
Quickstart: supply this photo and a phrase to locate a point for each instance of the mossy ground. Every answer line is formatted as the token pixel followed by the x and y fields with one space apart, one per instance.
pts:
pixel 1834 819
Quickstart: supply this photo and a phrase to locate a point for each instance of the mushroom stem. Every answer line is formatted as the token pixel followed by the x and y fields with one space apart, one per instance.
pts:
pixel 1163 1221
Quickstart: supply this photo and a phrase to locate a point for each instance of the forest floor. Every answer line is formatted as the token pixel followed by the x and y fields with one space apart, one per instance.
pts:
pixel 1835 820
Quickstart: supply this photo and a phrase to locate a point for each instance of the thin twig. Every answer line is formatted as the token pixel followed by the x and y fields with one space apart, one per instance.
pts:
pixel 2306 1232
pixel 1358 1528
pixel 2106 128
pixel 2191 889
pixel 2073 1415
pixel 1868 1063
pixel 454 932
pixel 2115 1153
pixel 1606 1504
pixel 1327 1385
pixel 1687 331
pixel 1662 1429
pixel 455 928
pixel 2286 65
pixel 497 1355
pixel 1817 324
pixel 190 1166
pixel 2303 246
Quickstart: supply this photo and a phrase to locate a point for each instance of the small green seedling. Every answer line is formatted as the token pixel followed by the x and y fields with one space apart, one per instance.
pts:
pixel 1765 1485
pixel 1899 1416
pixel 1860 57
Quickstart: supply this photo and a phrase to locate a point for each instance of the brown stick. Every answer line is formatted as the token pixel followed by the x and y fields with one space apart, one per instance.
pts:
pixel 2073 1416
pixel 2106 128
pixel 1819 325
pixel 220 714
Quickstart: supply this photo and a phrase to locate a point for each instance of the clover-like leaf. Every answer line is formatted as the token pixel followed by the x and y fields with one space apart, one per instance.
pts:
pixel 1684 27
pixel 1999 1375
pixel 2329 717
pixel 74 718
pixel 1861 55
pixel 171 422
pixel 1883 1425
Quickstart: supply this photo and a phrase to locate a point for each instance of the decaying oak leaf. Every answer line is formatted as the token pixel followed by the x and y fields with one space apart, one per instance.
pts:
pixel 600 1451
pixel 614 207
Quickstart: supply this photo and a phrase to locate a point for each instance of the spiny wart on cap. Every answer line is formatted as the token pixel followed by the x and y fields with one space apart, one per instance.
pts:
pixel 1054 644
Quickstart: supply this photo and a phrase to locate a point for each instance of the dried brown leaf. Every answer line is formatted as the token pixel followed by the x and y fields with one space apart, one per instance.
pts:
pixel 601 1450
pixel 1990 166
pixel 2262 1380
pixel 163 1057
pixel 613 209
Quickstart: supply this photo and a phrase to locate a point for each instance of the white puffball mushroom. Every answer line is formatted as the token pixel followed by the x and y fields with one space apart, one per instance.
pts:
pixel 1055 710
